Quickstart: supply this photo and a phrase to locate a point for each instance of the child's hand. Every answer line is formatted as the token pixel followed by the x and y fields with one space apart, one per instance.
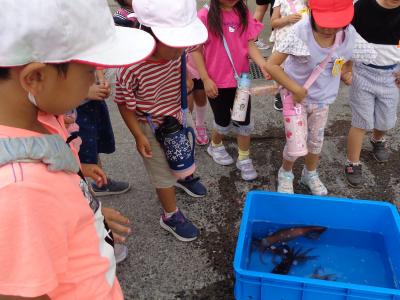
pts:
pixel 117 224
pixel 95 172
pixel 210 88
pixel 397 78
pixel 143 146
pixel 294 18
pixel 99 91
pixel 347 78
pixel 299 94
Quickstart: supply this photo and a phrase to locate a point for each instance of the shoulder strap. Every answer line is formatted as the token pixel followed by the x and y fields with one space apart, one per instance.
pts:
pixel 228 52
pixel 292 6
pixel 321 67
pixel 184 101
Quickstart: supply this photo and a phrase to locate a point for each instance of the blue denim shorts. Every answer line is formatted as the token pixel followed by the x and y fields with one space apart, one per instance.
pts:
pixel 95 130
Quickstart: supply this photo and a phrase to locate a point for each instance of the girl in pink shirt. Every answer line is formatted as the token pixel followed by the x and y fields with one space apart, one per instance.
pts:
pixel 230 19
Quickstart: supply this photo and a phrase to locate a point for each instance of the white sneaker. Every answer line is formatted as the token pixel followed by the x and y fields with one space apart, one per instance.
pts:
pixel 261 45
pixel 285 182
pixel 219 155
pixel 312 182
pixel 120 252
pixel 247 169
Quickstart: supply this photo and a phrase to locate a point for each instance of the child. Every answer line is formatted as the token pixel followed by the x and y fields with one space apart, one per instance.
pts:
pixel 54 243
pixel 374 95
pixel 153 88
pixel 308 43
pixel 232 20
pixel 97 136
pixel 285 14
pixel 198 99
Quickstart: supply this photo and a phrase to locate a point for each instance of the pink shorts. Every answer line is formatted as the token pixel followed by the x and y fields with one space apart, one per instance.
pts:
pixel 317 116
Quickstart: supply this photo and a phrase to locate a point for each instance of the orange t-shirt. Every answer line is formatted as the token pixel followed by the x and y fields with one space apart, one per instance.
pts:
pixel 52 235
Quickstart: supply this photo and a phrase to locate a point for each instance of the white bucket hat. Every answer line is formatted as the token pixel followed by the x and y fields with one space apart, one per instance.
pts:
pixel 56 31
pixel 173 22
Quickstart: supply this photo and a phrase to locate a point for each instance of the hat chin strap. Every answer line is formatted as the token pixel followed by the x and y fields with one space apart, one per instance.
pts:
pixel 32 99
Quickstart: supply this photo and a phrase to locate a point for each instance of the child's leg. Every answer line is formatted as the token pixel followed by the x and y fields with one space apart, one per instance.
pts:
pixel 378 135
pixel 387 98
pixel 163 180
pixel 243 131
pixel 200 107
pixel 354 144
pixel 106 144
pixel 362 98
pixel 167 198
pixel 222 119
pixel 316 120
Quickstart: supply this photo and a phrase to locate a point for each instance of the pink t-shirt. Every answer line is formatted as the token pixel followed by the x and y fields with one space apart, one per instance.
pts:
pixel 216 59
pixel 53 240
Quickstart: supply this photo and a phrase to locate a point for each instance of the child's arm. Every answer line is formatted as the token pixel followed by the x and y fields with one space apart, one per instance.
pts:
pixel 209 85
pixel 98 92
pixel 142 143
pixel 257 57
pixel 274 68
pixel 277 21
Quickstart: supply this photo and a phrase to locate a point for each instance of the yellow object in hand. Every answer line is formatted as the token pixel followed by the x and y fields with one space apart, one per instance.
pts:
pixel 304 10
pixel 337 66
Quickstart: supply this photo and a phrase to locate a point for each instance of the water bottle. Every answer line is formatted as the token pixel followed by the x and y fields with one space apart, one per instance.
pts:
pixel 242 97
pixel 295 126
pixel 178 144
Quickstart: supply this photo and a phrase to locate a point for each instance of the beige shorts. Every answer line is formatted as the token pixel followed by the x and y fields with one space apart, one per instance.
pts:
pixel 157 166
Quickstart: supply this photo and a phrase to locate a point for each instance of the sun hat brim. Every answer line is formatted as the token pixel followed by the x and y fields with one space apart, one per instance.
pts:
pixel 334 19
pixel 179 37
pixel 128 47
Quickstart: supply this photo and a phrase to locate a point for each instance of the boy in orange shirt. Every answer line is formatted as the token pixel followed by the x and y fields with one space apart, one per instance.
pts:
pixel 54 241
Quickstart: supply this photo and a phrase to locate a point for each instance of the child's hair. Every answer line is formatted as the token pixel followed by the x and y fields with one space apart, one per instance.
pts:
pixel 61 68
pixel 214 16
pixel 4 73
pixel 121 3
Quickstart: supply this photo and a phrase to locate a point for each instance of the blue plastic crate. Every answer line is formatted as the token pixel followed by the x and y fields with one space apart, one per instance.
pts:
pixel 343 214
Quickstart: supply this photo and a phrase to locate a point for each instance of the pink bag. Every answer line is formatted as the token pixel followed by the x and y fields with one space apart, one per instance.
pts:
pixel 294 119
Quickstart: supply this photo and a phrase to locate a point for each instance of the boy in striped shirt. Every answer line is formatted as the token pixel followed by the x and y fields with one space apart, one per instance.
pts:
pixel 153 87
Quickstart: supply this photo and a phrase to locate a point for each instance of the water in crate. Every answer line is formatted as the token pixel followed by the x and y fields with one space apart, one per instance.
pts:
pixel 317 252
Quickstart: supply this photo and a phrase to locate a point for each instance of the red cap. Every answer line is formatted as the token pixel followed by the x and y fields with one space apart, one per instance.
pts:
pixel 332 13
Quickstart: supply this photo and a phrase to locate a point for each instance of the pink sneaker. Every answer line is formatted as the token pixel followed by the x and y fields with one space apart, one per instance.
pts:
pixel 201 138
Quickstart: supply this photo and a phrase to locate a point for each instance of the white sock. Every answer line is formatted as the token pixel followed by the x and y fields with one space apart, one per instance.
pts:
pixel 168 215
pixel 349 162
pixel 307 172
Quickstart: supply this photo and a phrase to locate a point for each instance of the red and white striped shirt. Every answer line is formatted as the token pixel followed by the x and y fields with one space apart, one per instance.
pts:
pixel 151 87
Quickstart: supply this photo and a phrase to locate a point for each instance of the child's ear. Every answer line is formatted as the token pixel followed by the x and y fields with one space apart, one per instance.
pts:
pixel 32 77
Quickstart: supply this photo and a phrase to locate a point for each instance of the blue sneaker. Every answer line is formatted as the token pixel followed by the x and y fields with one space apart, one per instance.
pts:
pixel 111 188
pixel 180 227
pixel 192 186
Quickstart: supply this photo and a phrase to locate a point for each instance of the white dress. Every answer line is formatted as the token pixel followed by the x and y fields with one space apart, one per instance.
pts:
pixel 279 34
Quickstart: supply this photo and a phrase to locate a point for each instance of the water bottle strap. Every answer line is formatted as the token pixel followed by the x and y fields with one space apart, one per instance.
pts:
pixel 321 67
pixel 228 52
pixel 292 6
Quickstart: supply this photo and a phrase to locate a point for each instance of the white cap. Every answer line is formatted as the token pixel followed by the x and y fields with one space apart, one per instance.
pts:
pixel 56 31
pixel 173 22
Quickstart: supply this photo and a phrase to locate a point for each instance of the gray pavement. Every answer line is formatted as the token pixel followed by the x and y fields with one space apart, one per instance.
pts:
pixel 160 267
